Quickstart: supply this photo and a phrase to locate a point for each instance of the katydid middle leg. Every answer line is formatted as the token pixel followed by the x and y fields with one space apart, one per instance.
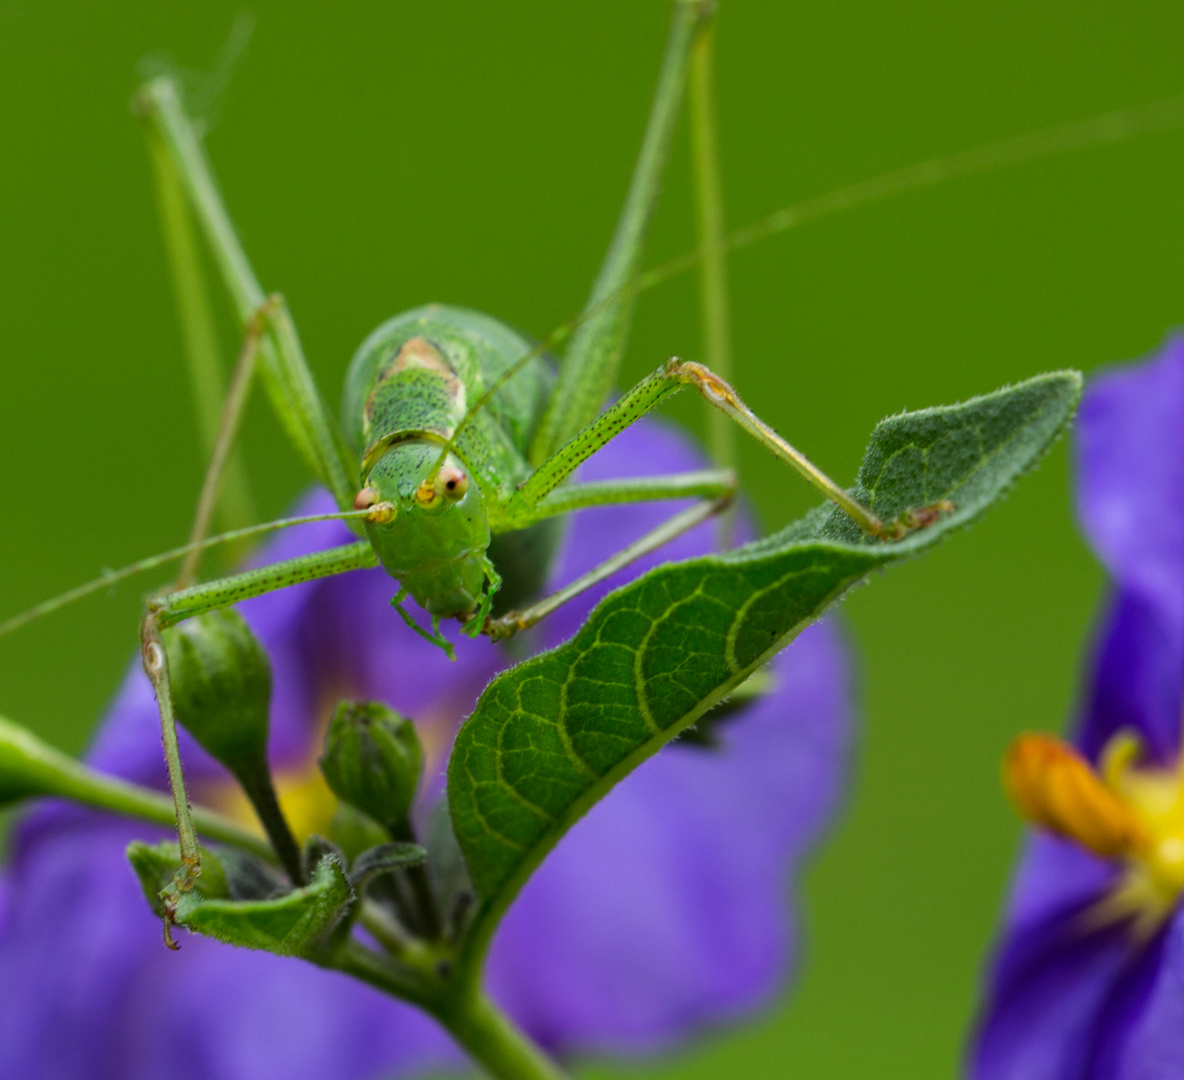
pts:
pixel 534 499
pixel 512 622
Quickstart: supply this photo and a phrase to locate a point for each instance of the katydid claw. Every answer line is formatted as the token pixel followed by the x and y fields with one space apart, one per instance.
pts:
pixel 503 628
pixel 183 881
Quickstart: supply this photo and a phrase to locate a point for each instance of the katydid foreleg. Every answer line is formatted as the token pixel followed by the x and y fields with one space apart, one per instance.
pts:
pixel 171 608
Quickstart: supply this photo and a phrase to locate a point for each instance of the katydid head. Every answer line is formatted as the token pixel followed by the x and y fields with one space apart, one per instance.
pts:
pixel 434 542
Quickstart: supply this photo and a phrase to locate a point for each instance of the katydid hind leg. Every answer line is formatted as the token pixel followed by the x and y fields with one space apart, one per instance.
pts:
pixel 231 418
pixel 593 358
pixel 199 335
pixel 293 392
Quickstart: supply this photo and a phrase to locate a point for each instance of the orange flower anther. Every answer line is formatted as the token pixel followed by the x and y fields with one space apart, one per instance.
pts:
pixel 1053 786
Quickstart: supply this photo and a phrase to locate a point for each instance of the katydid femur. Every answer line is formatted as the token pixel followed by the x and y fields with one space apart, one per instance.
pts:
pixel 459 440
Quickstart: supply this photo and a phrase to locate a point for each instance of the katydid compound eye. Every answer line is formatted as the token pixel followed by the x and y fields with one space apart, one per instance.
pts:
pixel 452 482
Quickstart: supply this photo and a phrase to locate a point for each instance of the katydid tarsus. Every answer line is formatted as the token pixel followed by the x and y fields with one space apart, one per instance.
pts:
pixel 458 442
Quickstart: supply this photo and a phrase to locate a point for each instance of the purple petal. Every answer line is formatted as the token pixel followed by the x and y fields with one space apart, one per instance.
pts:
pixel 1054 875
pixel 1137 679
pixel 1147 1038
pixel 1130 460
pixel 1064 1004
pixel 1130 456
pixel 1061 1001
pixel 699 846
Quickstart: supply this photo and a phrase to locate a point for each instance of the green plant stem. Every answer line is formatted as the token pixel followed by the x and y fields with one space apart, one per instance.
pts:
pixel 713 267
pixel 486 1034
pixel 713 276
pixel 261 791
pixel 30 768
pixel 493 1040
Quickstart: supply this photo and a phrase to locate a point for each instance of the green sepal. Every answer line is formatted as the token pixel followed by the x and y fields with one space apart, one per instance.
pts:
pixel 382 860
pixel 552 736
pixel 294 924
pixel 316 848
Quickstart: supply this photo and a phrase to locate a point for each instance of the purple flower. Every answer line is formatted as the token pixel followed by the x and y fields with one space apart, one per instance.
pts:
pixel 662 911
pixel 1088 980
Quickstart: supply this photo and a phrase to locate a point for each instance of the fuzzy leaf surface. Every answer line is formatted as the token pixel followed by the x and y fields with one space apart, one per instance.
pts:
pixel 287 925
pixel 551 736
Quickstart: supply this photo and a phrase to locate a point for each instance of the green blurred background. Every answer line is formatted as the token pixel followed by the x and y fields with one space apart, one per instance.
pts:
pixel 394 153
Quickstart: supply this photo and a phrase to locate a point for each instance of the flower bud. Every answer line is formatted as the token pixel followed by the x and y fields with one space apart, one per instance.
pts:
pixel 221 688
pixel 373 761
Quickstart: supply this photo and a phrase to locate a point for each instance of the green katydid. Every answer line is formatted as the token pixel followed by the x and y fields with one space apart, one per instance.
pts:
pixel 466 439
pixel 462 441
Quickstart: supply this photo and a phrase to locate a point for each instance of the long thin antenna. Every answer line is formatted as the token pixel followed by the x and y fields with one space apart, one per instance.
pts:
pixel 1111 127
pixel 111 577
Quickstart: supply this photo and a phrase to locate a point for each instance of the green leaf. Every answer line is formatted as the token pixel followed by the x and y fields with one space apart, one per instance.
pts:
pixel 551 736
pixel 288 925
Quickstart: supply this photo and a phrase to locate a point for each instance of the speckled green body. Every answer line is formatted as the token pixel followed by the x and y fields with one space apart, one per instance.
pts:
pixel 407 390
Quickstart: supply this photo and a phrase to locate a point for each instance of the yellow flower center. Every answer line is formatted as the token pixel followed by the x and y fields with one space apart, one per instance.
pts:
pixel 303 795
pixel 1129 813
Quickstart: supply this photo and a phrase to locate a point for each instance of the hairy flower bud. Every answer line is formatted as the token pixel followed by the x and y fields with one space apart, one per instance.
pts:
pixel 221 688
pixel 373 761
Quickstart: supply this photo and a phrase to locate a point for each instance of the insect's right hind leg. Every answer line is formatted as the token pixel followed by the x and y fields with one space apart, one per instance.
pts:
pixel 673 376
pixel 297 402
